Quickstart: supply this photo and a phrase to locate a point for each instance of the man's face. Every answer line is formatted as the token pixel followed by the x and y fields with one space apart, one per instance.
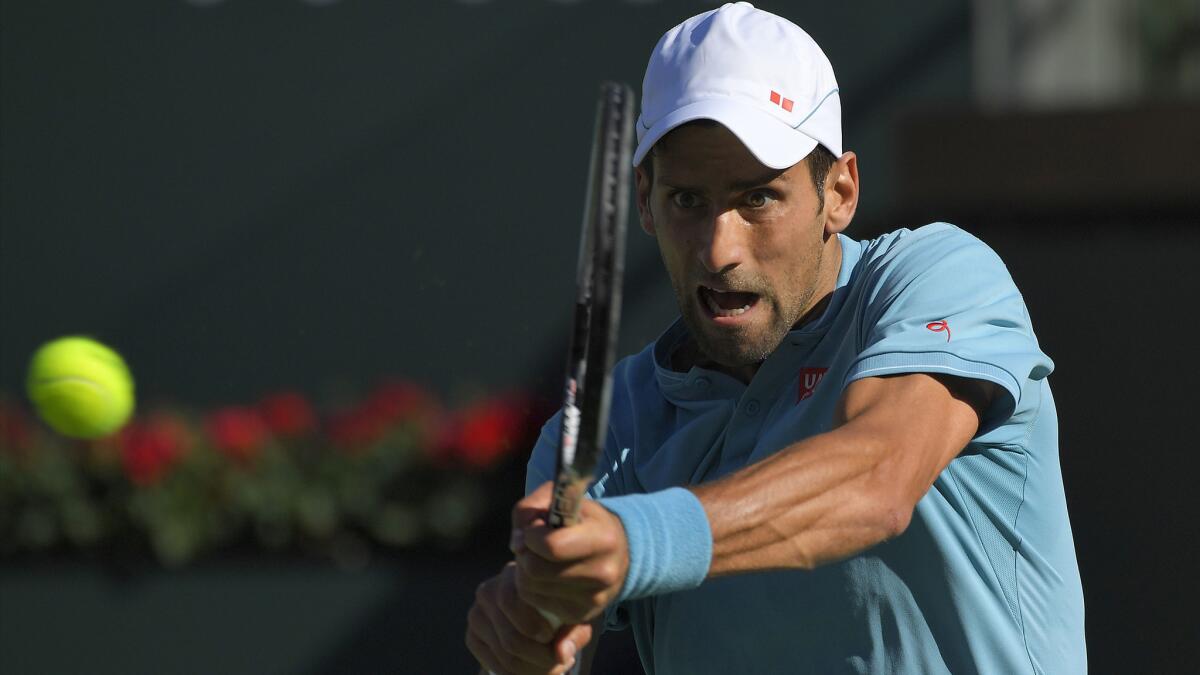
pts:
pixel 745 245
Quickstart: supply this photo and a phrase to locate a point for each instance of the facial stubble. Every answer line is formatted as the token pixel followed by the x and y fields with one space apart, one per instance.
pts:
pixel 736 347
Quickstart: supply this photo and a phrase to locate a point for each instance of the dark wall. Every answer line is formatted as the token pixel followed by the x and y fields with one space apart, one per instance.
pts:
pixel 1106 304
pixel 248 195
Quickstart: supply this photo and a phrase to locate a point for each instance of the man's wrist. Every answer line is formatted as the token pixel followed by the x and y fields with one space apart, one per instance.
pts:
pixel 670 541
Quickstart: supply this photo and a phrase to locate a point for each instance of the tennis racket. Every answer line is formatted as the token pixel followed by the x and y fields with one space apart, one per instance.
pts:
pixel 592 350
pixel 593 339
pixel 597 305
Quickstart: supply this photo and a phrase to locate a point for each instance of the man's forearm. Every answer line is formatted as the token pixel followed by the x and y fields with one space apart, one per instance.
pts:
pixel 819 500
pixel 835 494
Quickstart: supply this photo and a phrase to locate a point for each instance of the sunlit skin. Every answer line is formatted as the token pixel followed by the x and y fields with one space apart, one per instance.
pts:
pixel 725 222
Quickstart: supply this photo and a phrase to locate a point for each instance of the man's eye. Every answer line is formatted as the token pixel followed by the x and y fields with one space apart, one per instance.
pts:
pixel 685 200
pixel 757 200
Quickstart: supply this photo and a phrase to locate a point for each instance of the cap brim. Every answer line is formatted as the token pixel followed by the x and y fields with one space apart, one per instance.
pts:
pixel 771 140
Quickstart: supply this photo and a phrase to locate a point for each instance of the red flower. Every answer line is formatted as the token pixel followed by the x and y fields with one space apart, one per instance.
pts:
pixel 150 447
pixel 238 432
pixel 389 405
pixel 288 414
pixel 355 429
pixel 398 400
pixel 484 433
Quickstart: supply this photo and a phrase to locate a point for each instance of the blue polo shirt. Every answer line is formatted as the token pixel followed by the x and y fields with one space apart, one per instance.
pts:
pixel 983 580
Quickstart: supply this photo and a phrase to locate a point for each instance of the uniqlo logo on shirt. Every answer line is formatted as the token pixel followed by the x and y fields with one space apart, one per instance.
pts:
pixel 809 379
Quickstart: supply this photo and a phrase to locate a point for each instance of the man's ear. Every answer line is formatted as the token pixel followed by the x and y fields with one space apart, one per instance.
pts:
pixel 643 183
pixel 841 193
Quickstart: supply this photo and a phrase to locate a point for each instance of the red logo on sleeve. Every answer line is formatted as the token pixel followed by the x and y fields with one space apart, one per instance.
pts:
pixel 938 327
pixel 809 379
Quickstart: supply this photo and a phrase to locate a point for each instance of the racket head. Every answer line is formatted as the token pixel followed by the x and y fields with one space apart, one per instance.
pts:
pixel 588 392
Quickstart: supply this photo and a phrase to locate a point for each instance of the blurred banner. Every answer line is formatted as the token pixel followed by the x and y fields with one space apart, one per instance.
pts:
pixel 1048 54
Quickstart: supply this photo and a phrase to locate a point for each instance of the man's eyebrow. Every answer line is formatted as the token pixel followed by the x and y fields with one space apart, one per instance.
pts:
pixel 742 186
pixel 739 186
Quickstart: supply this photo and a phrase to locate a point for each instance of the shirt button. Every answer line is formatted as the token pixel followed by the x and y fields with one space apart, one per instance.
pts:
pixel 751 407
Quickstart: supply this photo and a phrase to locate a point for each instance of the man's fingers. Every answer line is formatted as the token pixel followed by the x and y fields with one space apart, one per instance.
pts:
pixel 572 641
pixel 525 618
pixel 483 654
pixel 491 663
pixel 499 624
pixel 584 575
pixel 533 507
pixel 515 643
pixel 598 532
pixel 563 543
pixel 575 571
pixel 570 598
pixel 570 608
pixel 482 641
pixel 514 652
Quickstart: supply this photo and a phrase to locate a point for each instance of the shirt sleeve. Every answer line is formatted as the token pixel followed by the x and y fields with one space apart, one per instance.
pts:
pixel 544 460
pixel 544 457
pixel 938 300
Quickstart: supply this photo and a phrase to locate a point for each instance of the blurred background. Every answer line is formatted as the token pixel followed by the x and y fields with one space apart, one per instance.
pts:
pixel 335 241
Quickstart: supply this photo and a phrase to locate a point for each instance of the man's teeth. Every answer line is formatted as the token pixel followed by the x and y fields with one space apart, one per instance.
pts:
pixel 718 310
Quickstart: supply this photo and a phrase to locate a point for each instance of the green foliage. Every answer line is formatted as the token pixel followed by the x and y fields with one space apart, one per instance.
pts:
pixel 397 472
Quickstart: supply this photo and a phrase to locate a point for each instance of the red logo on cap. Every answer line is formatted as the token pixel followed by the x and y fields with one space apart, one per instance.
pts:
pixel 785 103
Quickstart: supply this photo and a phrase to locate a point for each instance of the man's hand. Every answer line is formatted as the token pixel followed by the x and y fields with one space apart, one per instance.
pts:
pixel 510 637
pixel 572 572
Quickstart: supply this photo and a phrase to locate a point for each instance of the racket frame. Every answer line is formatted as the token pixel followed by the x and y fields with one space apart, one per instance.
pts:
pixel 591 354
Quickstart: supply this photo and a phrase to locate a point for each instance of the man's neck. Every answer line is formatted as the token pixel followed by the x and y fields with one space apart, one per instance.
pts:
pixel 688 355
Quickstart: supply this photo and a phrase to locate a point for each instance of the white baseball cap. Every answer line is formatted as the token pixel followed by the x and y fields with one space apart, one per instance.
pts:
pixel 759 75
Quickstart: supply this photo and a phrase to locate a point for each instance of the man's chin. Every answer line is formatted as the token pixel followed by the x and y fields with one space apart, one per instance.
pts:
pixel 735 357
pixel 732 348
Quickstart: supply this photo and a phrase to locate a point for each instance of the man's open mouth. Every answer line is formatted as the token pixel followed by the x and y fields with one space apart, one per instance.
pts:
pixel 726 304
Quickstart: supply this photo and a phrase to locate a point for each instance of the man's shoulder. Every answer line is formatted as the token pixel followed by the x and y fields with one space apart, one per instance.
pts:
pixel 943 249
pixel 927 241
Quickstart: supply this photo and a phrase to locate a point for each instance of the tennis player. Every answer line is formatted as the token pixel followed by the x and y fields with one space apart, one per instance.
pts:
pixel 842 458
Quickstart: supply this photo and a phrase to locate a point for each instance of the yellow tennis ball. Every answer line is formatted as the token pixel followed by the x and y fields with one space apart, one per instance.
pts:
pixel 80 387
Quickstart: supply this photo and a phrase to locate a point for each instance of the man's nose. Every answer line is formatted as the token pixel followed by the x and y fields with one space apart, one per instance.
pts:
pixel 725 245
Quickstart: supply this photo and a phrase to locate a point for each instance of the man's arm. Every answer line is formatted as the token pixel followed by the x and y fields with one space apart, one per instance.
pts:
pixel 836 494
pixel 819 500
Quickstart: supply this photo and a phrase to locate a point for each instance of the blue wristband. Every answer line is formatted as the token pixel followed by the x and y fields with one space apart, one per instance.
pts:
pixel 670 542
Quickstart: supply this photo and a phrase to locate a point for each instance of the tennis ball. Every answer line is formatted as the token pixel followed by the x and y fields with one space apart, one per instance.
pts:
pixel 80 387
